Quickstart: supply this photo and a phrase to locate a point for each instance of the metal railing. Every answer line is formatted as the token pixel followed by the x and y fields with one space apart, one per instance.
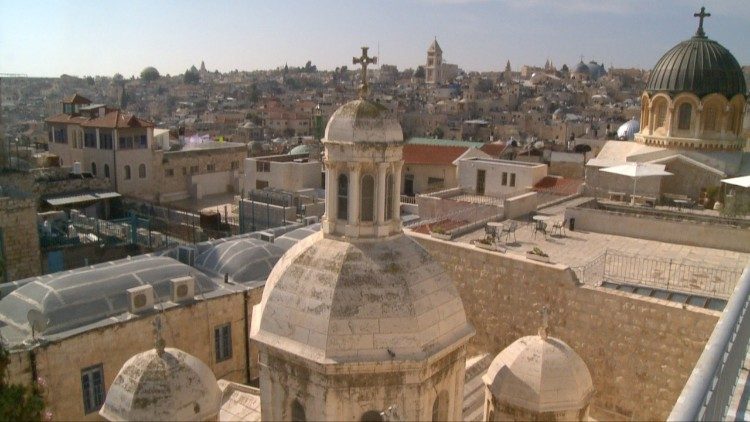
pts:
pixel 711 386
pixel 661 273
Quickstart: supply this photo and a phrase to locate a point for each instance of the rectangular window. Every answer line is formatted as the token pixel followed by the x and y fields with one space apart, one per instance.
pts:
pixel 168 172
pixel 126 142
pixel 89 139
pixel 235 165
pixel 505 179
pixel 211 167
pixel 263 166
pixel 223 342
pixel 105 140
pixel 261 184
pixel 193 169
pixel 513 179
pixel 143 142
pixel 61 136
pixel 92 386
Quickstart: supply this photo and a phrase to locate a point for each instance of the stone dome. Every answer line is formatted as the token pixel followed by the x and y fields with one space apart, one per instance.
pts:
pixel 628 130
pixel 300 149
pixel 173 386
pixel 333 302
pixel 540 375
pixel 581 67
pixel 363 121
pixel 698 65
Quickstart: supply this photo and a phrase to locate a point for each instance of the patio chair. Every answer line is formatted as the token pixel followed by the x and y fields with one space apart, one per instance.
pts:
pixel 540 226
pixel 490 233
pixel 559 226
pixel 510 230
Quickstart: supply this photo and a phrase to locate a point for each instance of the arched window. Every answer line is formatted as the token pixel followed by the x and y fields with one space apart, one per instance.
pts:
pixel 343 198
pixel 367 199
pixel 93 169
pixel 440 407
pixel 389 196
pixel 371 416
pixel 661 114
pixel 686 110
pixel 142 171
pixel 106 171
pixel 709 118
pixel 127 172
pixel 298 412
pixel 646 111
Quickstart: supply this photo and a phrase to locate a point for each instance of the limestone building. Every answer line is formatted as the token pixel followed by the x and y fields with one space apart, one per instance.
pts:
pixel 358 319
pixel 433 69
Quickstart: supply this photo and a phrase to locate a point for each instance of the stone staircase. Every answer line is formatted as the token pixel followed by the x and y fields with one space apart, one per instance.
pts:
pixel 476 367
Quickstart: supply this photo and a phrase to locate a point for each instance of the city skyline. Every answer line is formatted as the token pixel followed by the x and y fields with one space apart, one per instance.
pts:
pixel 476 35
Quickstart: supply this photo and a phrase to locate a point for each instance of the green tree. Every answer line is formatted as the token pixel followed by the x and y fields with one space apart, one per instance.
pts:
pixel 419 73
pixel 17 402
pixel 191 76
pixel 150 74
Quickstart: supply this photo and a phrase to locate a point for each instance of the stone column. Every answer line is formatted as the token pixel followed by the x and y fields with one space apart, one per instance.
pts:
pixel 396 211
pixel 670 118
pixel 380 197
pixel 331 192
pixel 723 120
pixel 696 122
pixel 354 193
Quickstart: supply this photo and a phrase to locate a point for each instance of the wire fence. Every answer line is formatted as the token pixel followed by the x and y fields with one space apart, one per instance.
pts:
pixel 665 274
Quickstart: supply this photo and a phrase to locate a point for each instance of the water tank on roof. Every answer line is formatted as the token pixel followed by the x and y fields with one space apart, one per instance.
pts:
pixel 77 167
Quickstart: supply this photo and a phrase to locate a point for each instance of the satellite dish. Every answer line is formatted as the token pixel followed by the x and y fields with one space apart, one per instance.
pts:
pixel 37 321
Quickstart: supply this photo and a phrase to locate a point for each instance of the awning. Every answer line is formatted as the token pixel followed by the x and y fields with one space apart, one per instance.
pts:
pixel 83 197
pixel 743 181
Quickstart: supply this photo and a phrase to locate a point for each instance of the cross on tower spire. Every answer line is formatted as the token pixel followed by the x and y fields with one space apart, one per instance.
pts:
pixel 364 61
pixel 701 15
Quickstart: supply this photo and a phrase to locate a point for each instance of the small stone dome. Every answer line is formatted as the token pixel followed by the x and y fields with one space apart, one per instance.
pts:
pixel 540 375
pixel 300 149
pixel 628 130
pixel 699 65
pixel 363 121
pixel 170 387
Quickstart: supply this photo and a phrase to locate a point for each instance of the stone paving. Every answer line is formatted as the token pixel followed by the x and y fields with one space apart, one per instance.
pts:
pixel 578 248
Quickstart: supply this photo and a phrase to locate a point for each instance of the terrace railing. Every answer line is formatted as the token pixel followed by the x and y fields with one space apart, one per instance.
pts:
pixel 709 390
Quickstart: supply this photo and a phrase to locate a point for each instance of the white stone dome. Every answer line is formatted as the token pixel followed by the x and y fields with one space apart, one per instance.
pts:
pixel 540 375
pixel 628 130
pixel 363 121
pixel 333 301
pixel 173 386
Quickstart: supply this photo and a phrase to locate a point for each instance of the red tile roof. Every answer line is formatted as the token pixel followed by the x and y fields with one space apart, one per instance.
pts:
pixel 431 154
pixel 66 118
pixel 117 119
pixel 493 150
pixel 558 185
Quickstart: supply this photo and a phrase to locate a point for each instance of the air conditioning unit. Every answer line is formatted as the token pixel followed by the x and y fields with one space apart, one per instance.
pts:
pixel 140 298
pixel 267 236
pixel 186 255
pixel 182 288
pixel 313 219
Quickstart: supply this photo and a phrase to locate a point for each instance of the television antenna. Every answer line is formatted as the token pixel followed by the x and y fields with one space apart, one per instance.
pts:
pixel 37 321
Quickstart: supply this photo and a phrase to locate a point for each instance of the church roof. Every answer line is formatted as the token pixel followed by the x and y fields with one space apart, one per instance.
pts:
pixel 435 47
pixel 699 65
pixel 541 375
pixel 164 385
pixel 363 122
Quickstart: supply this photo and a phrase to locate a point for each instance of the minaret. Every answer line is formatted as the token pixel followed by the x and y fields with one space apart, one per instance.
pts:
pixel 507 76
pixel 433 70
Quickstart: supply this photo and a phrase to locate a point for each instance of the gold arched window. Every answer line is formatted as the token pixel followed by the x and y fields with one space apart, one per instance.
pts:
pixel 342 205
pixel 389 196
pixel 684 115
pixel 367 199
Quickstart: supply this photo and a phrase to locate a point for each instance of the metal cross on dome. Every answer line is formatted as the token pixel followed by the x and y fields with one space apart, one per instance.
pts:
pixel 545 322
pixel 364 60
pixel 701 15
pixel 158 339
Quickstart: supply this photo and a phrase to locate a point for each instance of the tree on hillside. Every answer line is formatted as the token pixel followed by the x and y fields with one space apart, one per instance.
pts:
pixel 17 402
pixel 150 74
pixel 419 74
pixel 192 76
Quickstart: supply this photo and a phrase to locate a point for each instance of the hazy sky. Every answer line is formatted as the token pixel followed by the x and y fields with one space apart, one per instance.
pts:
pixel 49 38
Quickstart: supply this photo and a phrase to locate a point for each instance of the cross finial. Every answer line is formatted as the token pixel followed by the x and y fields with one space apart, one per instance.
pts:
pixel 545 322
pixel 701 15
pixel 364 60
pixel 158 340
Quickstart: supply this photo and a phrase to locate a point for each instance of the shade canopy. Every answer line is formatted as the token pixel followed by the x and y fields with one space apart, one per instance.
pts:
pixel 743 181
pixel 638 170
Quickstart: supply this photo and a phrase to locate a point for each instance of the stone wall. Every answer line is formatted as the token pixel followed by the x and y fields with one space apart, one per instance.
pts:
pixel 640 351
pixel 19 239
pixel 680 231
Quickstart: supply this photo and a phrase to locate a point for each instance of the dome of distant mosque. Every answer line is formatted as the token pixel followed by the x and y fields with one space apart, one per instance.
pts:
pixel 163 385
pixel 363 121
pixel 699 65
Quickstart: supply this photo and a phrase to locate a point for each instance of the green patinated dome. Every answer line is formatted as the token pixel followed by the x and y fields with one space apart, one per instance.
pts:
pixel 698 65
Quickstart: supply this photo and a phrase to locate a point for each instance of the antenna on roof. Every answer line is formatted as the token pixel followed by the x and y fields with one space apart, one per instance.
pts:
pixel 37 322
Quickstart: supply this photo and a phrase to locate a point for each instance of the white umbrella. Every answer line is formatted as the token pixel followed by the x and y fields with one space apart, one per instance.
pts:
pixel 638 170
pixel 743 181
